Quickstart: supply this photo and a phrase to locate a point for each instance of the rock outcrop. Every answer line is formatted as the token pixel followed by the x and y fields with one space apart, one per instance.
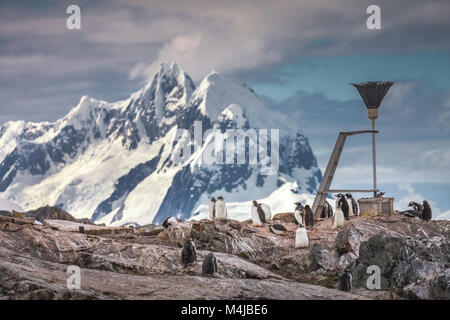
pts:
pixel 144 263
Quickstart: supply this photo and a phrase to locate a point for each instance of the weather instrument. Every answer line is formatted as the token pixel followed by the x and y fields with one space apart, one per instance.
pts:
pixel 372 94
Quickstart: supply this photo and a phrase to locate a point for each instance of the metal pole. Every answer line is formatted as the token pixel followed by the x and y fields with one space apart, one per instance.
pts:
pixel 374 160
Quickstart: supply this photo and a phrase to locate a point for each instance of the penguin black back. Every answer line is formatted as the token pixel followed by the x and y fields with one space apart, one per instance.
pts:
pixel 345 281
pixel 343 204
pixel 188 253
pixel 166 223
pixel 327 211
pixel 426 211
pixel 209 265
pixel 262 215
pixel 309 217
pixel 330 209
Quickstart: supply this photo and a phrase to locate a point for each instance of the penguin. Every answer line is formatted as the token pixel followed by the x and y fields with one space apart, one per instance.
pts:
pixel 338 218
pixel 188 253
pixel 278 229
pixel 212 208
pixel 267 211
pixel 426 211
pixel 220 208
pixel 411 213
pixel 170 221
pixel 415 205
pixel 301 237
pixel 345 281
pixel 380 194
pixel 353 205
pixel 343 204
pixel 209 265
pixel 257 213
pixel 309 216
pixel 299 213
pixel 327 211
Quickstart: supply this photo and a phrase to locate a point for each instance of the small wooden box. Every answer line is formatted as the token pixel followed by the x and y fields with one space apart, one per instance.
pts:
pixel 376 206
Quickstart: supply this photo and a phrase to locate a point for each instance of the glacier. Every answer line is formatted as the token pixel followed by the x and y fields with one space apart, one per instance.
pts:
pixel 113 162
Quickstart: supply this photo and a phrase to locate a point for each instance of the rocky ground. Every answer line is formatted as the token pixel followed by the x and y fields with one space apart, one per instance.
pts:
pixel 413 257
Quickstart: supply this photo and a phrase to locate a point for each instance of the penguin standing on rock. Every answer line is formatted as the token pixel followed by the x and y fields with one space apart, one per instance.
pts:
pixel 188 253
pixel 343 204
pixel 345 281
pixel 257 213
pixel 338 218
pixel 267 211
pixel 309 216
pixel 212 208
pixel 426 211
pixel 327 211
pixel 220 208
pixel 170 221
pixel 301 237
pixel 209 265
pixel 299 213
pixel 278 229
pixel 353 205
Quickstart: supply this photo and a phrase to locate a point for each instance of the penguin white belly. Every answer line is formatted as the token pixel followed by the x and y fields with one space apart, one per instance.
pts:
pixel 301 238
pixel 350 208
pixel 255 216
pixel 212 207
pixel 338 218
pixel 221 210
pixel 298 217
pixel 172 221
pixel 267 211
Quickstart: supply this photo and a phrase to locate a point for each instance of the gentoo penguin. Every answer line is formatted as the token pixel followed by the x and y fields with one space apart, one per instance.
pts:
pixel 170 221
pixel 353 206
pixel 212 208
pixel 299 213
pixel 257 213
pixel 380 194
pixel 220 208
pixel 209 265
pixel 338 218
pixel 343 204
pixel 267 211
pixel 309 217
pixel 412 213
pixel 278 229
pixel 426 211
pixel 188 253
pixel 415 205
pixel 301 237
pixel 345 281
pixel 327 211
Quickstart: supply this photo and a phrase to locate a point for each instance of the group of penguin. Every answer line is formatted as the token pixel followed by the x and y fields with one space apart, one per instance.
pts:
pixel 189 256
pixel 346 206
pixel 422 211
pixel 261 213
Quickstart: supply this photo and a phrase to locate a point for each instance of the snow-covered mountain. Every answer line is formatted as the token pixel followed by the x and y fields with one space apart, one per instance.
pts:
pixel 113 162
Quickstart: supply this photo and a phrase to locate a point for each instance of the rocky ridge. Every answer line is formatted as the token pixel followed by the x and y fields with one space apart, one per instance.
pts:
pixel 253 263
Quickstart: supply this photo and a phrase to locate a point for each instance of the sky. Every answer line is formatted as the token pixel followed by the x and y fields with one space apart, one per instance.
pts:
pixel 299 56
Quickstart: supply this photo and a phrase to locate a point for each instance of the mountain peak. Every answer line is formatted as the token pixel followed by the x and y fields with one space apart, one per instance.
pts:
pixel 170 79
